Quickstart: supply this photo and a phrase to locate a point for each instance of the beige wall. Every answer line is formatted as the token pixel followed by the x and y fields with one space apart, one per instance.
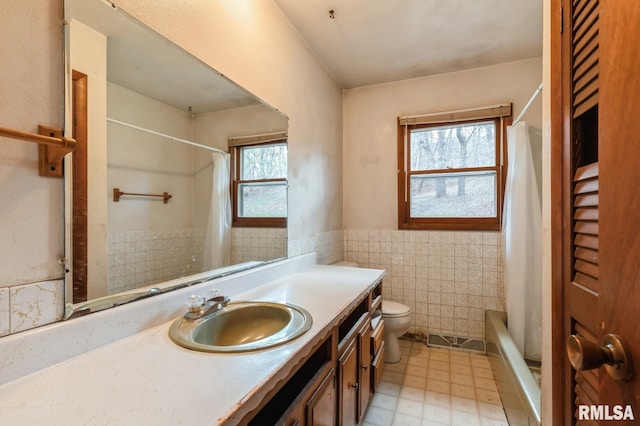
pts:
pixel 31 93
pixel 31 207
pixel 370 114
pixel 140 162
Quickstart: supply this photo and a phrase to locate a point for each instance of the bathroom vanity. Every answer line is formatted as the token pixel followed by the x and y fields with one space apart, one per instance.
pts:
pixel 328 373
pixel 337 378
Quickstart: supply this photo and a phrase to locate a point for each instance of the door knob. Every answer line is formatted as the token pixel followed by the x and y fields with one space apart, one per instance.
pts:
pixel 613 355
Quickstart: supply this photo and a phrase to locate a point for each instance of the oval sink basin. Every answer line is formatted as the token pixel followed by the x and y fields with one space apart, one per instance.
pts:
pixel 242 327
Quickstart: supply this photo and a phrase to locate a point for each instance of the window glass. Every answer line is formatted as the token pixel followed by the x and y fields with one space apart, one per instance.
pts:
pixel 453 147
pixel 454 195
pixel 264 162
pixel 260 185
pixel 262 199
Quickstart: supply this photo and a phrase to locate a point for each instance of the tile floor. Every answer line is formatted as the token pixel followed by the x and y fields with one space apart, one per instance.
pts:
pixel 433 386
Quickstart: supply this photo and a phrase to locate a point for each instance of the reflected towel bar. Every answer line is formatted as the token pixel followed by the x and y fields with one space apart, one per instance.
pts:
pixel 51 150
pixel 117 194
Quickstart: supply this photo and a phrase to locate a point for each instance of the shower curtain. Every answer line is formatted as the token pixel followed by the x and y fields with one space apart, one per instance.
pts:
pixel 217 248
pixel 522 246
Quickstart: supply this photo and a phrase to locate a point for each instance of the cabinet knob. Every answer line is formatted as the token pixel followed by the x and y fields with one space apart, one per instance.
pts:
pixel 365 366
pixel 355 385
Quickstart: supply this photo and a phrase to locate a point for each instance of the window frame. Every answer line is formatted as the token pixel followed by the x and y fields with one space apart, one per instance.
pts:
pixel 236 181
pixel 405 221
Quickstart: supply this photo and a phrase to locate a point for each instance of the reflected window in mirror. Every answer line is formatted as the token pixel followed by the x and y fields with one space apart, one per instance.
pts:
pixel 259 184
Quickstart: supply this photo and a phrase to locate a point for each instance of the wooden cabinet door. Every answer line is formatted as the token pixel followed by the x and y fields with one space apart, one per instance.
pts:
pixel 348 379
pixel 322 406
pixel 364 373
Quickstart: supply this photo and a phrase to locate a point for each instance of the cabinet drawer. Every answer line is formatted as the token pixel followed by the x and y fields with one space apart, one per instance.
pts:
pixel 377 367
pixel 376 337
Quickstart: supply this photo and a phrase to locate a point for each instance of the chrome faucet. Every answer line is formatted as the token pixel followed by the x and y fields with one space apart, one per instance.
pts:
pixel 200 307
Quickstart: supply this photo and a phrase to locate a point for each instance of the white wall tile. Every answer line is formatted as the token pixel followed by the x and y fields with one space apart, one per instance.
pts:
pixel 5 315
pixel 34 305
pixel 445 274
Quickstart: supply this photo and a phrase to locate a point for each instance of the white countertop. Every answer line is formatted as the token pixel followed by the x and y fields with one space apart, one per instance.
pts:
pixel 147 379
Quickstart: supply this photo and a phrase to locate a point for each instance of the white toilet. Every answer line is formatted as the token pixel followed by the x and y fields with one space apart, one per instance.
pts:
pixel 397 321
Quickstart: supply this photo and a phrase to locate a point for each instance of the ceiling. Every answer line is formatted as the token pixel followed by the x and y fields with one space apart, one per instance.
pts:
pixel 141 60
pixel 378 41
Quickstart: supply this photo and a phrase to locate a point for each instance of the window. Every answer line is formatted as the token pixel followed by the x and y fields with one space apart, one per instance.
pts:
pixel 450 173
pixel 259 184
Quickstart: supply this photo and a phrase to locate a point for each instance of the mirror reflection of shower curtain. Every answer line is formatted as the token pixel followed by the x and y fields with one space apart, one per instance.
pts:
pixel 522 246
pixel 217 247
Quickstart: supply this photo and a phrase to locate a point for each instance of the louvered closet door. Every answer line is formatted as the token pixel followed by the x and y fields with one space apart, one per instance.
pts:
pixel 601 200
pixel 582 288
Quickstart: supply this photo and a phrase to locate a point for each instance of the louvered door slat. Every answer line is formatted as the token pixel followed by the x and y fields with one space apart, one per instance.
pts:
pixel 586 382
pixel 586 254
pixel 586 271
pixel 587 57
pixel 586 281
pixel 590 393
pixel 586 213
pixel 584 18
pixel 588 81
pixel 586 229
pixel 587 185
pixel 585 32
pixel 586 241
pixel 585 172
pixel 586 268
pixel 586 200
pixel 591 377
pixel 586 62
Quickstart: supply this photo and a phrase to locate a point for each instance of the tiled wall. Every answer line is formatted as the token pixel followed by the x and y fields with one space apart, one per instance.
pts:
pixel 258 244
pixel 329 247
pixel 137 258
pixel 30 305
pixel 447 278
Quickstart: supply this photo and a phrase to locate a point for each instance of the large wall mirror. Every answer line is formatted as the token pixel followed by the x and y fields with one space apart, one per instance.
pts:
pixel 146 186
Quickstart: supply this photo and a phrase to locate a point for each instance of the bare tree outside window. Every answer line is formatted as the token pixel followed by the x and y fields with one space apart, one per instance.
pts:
pixel 260 185
pixel 453 170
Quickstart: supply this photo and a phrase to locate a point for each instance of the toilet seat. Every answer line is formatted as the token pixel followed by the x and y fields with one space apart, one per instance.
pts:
pixel 393 309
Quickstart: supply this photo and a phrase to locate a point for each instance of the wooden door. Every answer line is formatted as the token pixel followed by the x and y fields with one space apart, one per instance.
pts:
pixel 364 351
pixel 595 95
pixel 321 407
pixel 620 189
pixel 348 373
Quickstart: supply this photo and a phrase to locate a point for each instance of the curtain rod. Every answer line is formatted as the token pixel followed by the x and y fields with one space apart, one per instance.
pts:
pixel 173 138
pixel 526 107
